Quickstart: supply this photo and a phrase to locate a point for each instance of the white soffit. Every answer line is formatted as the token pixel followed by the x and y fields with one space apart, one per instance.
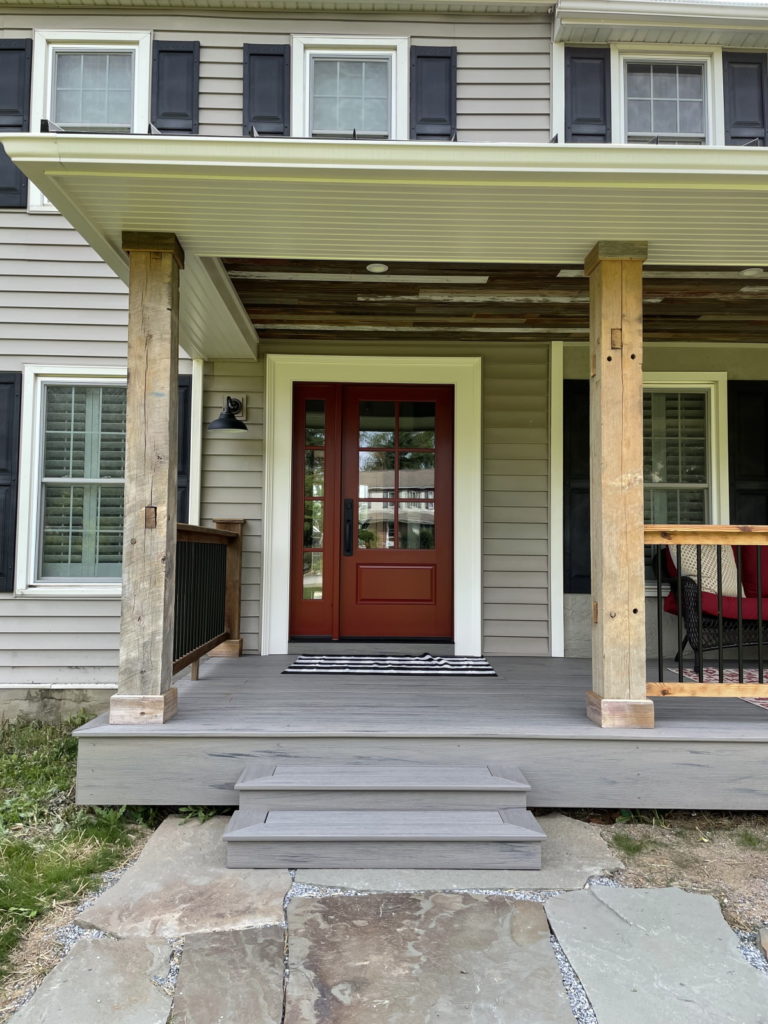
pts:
pixel 463 202
pixel 664 22
pixel 260 7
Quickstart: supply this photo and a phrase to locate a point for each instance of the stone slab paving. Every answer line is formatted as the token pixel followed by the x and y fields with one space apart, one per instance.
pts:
pixel 103 980
pixel 435 958
pixel 657 955
pixel 180 886
pixel 231 978
pixel 762 939
pixel 572 853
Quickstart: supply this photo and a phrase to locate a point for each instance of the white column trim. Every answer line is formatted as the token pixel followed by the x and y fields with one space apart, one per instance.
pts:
pixel 196 441
pixel 556 563
pixel 465 374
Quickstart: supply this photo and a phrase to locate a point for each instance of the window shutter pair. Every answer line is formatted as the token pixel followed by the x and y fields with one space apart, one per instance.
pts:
pixel 15 79
pixel 267 84
pixel 588 96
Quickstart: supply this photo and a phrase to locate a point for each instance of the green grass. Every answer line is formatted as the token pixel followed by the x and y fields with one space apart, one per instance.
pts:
pixel 627 845
pixel 50 849
pixel 747 838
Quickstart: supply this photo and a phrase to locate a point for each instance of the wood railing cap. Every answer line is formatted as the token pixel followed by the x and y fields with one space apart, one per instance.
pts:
pixel 204 531
pixel 706 534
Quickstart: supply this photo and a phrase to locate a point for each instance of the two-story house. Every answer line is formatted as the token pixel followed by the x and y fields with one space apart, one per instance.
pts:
pixel 475 274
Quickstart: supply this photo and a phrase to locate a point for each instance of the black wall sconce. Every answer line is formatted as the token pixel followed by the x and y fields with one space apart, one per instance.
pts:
pixel 227 418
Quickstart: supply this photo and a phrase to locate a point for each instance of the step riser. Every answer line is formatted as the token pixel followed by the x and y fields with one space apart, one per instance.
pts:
pixel 253 803
pixel 468 855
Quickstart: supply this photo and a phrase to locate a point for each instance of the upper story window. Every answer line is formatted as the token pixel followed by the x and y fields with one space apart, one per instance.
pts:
pixel 665 102
pixel 92 89
pixel 350 88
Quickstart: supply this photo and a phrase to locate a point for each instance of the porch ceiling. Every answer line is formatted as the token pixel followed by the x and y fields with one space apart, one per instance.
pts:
pixel 517 213
pixel 310 301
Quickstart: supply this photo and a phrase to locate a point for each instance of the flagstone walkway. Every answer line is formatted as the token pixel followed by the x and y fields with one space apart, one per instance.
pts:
pixel 180 939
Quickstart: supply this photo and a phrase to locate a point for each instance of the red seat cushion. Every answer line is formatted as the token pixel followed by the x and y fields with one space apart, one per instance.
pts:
pixel 753 585
pixel 709 606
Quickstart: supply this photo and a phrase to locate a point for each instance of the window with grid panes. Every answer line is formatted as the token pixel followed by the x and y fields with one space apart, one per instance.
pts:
pixel 665 102
pixel 676 456
pixel 92 90
pixel 81 487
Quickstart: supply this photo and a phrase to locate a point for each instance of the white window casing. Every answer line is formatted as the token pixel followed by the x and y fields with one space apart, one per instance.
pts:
pixel 48 44
pixel 392 51
pixel 28 544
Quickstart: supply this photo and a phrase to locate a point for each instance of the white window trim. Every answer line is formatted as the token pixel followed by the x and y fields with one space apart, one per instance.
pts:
pixel 712 56
pixel 717 386
pixel 35 378
pixel 45 44
pixel 303 48
pixel 465 374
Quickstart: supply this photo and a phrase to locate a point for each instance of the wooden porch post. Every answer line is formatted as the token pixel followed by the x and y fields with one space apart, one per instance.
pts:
pixel 145 694
pixel 618 697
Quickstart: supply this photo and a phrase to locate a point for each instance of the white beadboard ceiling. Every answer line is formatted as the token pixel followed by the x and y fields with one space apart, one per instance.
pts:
pixel 294 199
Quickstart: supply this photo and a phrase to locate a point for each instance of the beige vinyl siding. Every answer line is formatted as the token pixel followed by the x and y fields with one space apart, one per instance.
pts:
pixel 58 301
pixel 515 483
pixel 503 63
pixel 233 476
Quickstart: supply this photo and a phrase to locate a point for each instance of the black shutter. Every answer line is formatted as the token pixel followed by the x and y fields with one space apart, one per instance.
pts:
pixel 10 421
pixel 15 77
pixel 748 451
pixel 576 555
pixel 266 89
pixel 176 87
pixel 746 98
pixel 587 94
pixel 185 434
pixel 433 92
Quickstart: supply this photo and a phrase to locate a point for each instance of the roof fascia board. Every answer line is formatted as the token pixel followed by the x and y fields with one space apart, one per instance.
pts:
pixel 48 159
pixel 249 7
pixel 747 16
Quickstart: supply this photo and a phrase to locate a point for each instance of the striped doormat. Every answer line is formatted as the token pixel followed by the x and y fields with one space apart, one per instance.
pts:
pixel 389 665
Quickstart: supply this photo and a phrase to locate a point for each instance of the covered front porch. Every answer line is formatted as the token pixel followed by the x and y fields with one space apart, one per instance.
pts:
pixel 702 753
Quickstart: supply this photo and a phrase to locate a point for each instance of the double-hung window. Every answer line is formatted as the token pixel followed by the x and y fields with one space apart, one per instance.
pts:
pixel 89 81
pixel 71 479
pixel 665 101
pixel 350 88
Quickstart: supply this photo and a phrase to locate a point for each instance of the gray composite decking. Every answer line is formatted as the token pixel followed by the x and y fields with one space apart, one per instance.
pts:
pixel 707 753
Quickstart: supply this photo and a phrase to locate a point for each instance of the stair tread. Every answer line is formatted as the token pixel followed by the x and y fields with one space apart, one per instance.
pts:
pixel 513 825
pixel 383 777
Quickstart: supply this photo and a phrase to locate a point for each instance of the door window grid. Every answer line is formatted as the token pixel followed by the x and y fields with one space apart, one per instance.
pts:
pixel 396 489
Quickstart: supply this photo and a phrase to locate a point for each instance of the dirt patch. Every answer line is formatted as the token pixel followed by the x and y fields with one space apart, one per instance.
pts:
pixel 721 854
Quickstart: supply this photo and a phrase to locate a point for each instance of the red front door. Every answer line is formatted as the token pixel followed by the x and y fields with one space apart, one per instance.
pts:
pixel 372 552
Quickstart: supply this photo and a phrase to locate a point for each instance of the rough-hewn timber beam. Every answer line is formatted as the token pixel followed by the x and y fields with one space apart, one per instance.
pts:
pixel 144 692
pixel 618 697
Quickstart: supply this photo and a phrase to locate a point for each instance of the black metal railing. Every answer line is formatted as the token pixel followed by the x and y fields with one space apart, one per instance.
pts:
pixel 719 641
pixel 207 600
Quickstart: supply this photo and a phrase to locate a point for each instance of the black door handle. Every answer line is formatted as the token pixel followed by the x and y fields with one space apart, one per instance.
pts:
pixel 349 517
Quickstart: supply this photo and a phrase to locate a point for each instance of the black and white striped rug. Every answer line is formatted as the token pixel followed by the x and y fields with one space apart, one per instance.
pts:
pixel 389 665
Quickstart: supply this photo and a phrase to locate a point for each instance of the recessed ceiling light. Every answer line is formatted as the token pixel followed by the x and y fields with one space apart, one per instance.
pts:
pixel 377 268
pixel 752 272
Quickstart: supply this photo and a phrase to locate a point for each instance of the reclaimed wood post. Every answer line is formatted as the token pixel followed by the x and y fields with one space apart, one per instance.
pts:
pixel 618 696
pixel 233 647
pixel 145 694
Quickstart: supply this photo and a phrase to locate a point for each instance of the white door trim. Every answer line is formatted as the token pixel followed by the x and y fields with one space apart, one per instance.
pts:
pixel 465 374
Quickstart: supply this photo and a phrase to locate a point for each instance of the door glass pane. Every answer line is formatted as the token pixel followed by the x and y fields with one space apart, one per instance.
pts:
pixel 417 476
pixel 417 424
pixel 416 525
pixel 314 433
pixel 312 582
pixel 376 524
pixel 377 425
pixel 377 475
pixel 313 524
pixel 314 473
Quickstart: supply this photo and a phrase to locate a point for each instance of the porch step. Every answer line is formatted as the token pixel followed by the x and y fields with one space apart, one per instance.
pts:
pixel 506 838
pixel 381 787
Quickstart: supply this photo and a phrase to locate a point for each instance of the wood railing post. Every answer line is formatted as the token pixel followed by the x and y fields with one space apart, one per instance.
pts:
pixel 233 647
pixel 145 694
pixel 618 697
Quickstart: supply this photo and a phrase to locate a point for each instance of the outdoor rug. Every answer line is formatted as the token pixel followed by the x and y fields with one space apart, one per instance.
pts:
pixel 389 665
